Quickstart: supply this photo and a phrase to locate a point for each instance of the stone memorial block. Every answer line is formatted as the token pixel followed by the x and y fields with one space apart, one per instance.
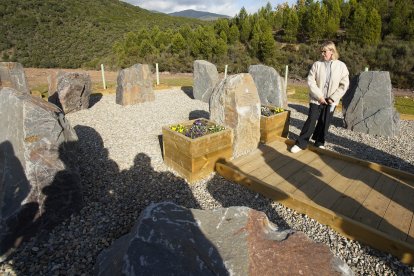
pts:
pixel 368 106
pixel 169 239
pixel 205 78
pixel 270 85
pixel 235 103
pixel 134 85
pixel 70 91
pixel 12 75
pixel 39 178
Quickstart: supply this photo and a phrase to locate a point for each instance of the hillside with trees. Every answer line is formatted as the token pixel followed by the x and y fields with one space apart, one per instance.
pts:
pixel 71 33
pixel 378 34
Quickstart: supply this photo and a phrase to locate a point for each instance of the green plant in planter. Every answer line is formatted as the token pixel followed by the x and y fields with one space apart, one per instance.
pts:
pixel 269 111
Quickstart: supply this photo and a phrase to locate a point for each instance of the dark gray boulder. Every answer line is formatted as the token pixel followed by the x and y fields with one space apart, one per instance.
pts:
pixel 205 79
pixel 368 106
pixel 12 75
pixel 134 85
pixel 270 85
pixel 39 179
pixel 70 91
pixel 172 240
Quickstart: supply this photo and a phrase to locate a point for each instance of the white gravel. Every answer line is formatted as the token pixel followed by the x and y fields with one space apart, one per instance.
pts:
pixel 122 171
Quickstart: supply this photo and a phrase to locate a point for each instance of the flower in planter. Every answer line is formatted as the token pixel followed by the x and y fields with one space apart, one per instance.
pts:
pixel 199 128
pixel 269 111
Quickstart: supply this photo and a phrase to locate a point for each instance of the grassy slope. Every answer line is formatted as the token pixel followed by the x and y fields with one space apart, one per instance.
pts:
pixel 68 33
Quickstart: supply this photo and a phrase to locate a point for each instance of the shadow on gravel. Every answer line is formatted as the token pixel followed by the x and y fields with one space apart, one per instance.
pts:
pixel 94 99
pixel 188 90
pixel 349 147
pixel 113 200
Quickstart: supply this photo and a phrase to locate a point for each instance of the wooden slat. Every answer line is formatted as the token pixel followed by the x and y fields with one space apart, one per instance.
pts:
pixel 376 202
pixel 264 169
pixel 269 154
pixel 307 173
pixel 331 193
pixel 397 218
pixel 353 197
pixel 287 170
pixel 314 185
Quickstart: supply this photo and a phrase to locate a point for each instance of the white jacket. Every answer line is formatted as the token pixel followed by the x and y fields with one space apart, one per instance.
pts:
pixel 338 83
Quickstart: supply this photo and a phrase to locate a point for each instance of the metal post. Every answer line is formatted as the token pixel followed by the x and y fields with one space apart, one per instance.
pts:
pixel 103 76
pixel 225 71
pixel 158 76
pixel 286 77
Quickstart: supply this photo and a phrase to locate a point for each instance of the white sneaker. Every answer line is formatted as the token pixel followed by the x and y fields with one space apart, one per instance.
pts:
pixel 295 149
pixel 321 147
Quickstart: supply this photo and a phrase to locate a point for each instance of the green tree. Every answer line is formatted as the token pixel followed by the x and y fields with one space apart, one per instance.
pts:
pixel 234 34
pixel 372 30
pixel 178 43
pixel 290 25
pixel 402 19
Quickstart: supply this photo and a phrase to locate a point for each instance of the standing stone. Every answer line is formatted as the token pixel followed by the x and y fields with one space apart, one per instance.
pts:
pixel 270 85
pixel 205 79
pixel 39 178
pixel 368 106
pixel 70 91
pixel 171 240
pixel 235 103
pixel 134 85
pixel 12 75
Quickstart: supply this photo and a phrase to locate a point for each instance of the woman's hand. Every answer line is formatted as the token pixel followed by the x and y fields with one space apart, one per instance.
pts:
pixel 322 100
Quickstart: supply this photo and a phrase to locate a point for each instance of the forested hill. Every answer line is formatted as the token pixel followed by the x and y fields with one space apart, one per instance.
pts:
pixel 70 33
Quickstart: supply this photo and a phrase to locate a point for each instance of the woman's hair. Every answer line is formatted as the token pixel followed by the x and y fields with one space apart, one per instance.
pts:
pixel 331 46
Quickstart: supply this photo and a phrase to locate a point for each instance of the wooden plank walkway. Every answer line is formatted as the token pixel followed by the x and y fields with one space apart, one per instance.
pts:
pixel 361 200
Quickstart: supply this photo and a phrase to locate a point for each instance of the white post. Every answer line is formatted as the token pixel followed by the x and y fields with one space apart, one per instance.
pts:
pixel 158 76
pixel 286 77
pixel 225 71
pixel 366 69
pixel 103 76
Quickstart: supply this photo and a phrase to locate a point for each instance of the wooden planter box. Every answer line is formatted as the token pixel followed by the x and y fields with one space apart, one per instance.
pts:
pixel 274 126
pixel 195 158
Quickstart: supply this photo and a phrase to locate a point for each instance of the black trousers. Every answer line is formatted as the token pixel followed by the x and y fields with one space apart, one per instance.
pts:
pixel 321 114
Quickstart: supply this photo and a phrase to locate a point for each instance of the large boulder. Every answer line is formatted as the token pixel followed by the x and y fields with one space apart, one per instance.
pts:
pixel 368 106
pixel 270 85
pixel 70 91
pixel 205 79
pixel 171 240
pixel 39 179
pixel 134 85
pixel 235 103
pixel 12 75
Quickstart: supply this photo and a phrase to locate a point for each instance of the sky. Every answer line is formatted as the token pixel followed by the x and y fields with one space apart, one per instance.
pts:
pixel 225 7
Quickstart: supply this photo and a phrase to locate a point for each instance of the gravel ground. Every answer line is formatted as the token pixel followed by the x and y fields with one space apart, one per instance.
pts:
pixel 122 172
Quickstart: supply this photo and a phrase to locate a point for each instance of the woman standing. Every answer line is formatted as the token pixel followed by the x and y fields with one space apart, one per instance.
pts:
pixel 328 81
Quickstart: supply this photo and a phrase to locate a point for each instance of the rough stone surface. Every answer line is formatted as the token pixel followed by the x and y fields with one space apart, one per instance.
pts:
pixel 205 79
pixel 368 106
pixel 270 85
pixel 39 178
pixel 172 240
pixel 70 91
pixel 235 103
pixel 134 85
pixel 12 75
